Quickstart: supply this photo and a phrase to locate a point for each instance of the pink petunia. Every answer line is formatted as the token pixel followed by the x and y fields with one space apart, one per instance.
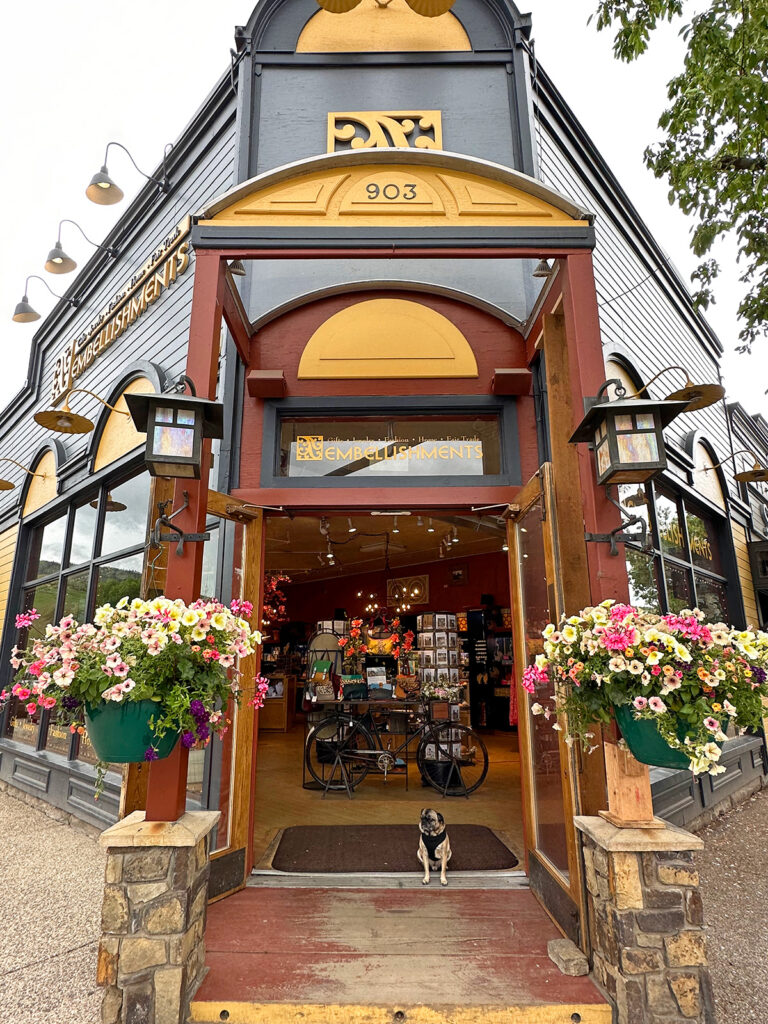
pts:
pixel 640 703
pixel 657 704
pixel 712 724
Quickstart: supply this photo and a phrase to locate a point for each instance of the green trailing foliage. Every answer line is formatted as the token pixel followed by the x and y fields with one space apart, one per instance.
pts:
pixel 714 153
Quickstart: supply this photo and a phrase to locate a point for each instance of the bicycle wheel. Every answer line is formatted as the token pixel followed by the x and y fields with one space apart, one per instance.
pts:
pixel 452 759
pixel 343 735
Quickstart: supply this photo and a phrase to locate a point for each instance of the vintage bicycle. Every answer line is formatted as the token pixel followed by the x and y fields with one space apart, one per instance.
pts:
pixel 341 749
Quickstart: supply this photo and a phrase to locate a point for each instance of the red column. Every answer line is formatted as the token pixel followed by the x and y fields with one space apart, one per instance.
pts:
pixel 166 794
pixel 608 573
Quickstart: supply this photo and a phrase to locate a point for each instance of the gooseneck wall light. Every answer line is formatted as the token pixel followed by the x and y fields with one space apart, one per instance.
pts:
pixel 6 485
pixel 758 473
pixel 696 396
pixel 25 314
pixel 59 263
pixel 64 421
pixel 103 190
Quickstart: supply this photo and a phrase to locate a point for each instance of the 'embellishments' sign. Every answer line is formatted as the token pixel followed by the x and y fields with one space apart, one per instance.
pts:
pixel 165 265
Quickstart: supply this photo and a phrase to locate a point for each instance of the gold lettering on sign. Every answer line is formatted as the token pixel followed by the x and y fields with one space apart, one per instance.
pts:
pixel 167 263
pixel 385 129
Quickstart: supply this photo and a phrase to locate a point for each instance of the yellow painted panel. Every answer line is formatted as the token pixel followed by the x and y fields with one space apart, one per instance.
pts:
pixel 394 338
pixel 42 488
pixel 119 435
pixel 8 540
pixel 406 194
pixel 744 571
pixel 705 477
pixel 373 27
pixel 290 1013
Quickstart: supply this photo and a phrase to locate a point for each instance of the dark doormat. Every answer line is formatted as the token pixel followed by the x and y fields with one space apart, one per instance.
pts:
pixel 384 848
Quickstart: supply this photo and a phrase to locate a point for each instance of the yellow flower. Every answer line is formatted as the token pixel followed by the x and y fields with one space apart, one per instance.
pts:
pixel 219 620
pixel 190 617
pixel 198 634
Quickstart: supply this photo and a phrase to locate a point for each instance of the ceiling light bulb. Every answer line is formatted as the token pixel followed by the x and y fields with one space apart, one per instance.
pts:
pixel 505 546
pixel 430 528
pixel 395 527
pixel 352 529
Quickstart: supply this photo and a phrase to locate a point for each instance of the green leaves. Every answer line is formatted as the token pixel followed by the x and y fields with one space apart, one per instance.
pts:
pixel 716 132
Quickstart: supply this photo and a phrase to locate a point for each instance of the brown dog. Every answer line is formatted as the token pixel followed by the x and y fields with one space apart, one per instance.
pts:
pixel 434 845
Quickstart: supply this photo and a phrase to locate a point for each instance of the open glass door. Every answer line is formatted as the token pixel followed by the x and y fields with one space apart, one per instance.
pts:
pixel 230 777
pixel 549 795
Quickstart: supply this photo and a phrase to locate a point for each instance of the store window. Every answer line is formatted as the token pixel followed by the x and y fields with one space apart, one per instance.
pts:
pixel 90 554
pixel 682 565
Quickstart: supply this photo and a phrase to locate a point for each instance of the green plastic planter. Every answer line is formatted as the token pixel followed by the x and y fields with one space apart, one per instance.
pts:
pixel 120 732
pixel 646 742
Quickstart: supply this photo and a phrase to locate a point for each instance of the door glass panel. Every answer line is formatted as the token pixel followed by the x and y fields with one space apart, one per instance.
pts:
pixel 643 584
pixel 47 549
pixel 74 601
pixel 679 592
pixel 670 531
pixel 119 579
pixel 126 527
pixel 711 597
pixel 83 533
pixel 545 744
pixel 702 537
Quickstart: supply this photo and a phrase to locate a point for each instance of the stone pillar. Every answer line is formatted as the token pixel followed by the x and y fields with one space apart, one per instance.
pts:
pixel 152 949
pixel 645 922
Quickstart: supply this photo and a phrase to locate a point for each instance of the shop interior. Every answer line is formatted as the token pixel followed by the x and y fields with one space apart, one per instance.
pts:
pixel 441 584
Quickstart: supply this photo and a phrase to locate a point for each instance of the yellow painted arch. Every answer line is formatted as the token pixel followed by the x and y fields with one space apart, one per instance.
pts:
pixel 42 487
pixel 390 338
pixel 119 435
pixel 370 27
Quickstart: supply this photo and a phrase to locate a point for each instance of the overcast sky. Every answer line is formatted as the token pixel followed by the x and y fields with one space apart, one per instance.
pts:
pixel 75 75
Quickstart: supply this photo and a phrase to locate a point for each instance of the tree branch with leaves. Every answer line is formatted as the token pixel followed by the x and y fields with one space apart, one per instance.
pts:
pixel 714 152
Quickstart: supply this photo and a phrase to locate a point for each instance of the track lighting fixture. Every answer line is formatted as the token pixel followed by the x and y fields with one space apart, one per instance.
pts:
pixel 352 527
pixel 430 527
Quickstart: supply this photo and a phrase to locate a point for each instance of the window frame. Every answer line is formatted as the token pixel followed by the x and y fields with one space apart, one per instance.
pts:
pixel 22 584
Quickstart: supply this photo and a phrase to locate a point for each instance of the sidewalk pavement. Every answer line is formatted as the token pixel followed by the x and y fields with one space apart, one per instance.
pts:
pixel 52 876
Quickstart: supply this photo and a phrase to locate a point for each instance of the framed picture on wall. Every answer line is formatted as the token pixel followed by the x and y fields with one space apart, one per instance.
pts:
pixel 427 659
pixel 458 576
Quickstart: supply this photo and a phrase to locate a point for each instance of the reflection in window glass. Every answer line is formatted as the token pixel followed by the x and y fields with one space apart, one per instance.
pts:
pixel 58 739
pixel 47 549
pixel 43 599
pixel 127 527
pixel 679 593
pixel 634 498
pixel 545 744
pixel 670 531
pixel 21 726
pixel 75 596
pixel 643 584
pixel 702 538
pixel 711 597
pixel 83 533
pixel 119 579
pixel 210 557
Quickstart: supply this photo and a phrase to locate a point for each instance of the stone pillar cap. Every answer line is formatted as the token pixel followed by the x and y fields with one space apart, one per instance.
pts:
pixel 133 830
pixel 637 840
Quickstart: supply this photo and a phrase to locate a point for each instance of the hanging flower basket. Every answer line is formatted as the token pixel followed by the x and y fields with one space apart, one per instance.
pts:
pixel 645 742
pixel 122 734
pixel 673 682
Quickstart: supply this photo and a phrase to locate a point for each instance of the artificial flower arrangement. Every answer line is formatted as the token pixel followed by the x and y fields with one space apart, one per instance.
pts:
pixel 182 658
pixel 356 644
pixel 688 677
pixel 442 691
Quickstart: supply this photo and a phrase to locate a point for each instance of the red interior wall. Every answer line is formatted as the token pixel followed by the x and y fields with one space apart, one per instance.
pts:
pixel 486 574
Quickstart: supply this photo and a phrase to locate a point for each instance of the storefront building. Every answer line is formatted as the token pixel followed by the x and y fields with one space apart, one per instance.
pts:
pixel 400 375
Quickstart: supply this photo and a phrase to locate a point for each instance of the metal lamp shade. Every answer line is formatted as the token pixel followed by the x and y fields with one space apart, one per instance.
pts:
pixel 102 190
pixel 627 436
pixel 24 313
pixel 63 421
pixel 338 6
pixel 175 426
pixel 58 262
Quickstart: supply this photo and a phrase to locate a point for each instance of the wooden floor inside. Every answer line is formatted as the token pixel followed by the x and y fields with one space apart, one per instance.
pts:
pixel 397 951
pixel 281 801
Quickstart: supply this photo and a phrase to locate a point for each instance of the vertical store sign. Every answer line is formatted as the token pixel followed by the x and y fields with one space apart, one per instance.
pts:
pixel 167 263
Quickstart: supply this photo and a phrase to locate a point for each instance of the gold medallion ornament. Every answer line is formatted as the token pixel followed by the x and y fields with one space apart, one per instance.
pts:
pixel 426 8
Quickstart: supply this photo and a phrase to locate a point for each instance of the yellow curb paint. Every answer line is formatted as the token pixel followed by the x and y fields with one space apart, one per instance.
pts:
pixel 302 1013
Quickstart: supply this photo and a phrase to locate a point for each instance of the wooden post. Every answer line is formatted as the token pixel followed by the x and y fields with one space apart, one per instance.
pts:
pixel 166 793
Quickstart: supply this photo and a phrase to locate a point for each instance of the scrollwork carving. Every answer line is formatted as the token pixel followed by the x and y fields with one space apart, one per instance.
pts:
pixel 387 129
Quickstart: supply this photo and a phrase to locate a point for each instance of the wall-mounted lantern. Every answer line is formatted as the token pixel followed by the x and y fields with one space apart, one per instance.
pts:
pixel 175 425
pixel 626 434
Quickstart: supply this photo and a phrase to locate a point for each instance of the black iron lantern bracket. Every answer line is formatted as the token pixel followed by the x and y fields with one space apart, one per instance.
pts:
pixel 176 533
pixel 620 535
